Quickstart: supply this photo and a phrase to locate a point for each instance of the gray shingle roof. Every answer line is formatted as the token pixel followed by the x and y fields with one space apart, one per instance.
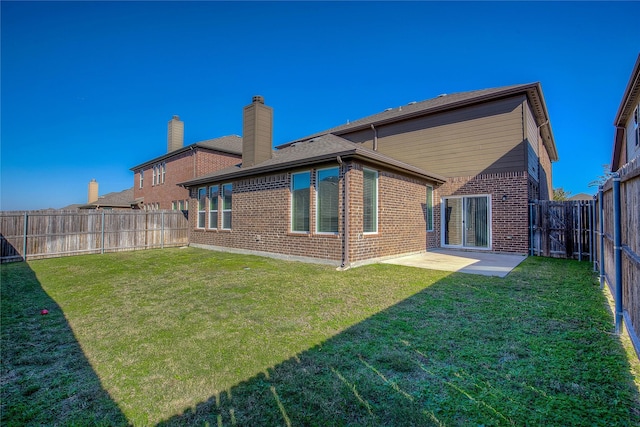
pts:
pixel 309 152
pixel 120 199
pixel 231 144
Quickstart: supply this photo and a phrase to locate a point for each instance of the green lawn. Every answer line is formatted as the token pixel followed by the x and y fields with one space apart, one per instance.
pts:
pixel 195 337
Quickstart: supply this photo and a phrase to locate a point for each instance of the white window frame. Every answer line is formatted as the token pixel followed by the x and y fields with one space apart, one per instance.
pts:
pixel 308 173
pixel 430 208
pixel 375 231
pixel 317 201
pixel 213 225
pixel 226 211
pixel 141 178
pixel 202 208
pixel 489 221
pixel 164 171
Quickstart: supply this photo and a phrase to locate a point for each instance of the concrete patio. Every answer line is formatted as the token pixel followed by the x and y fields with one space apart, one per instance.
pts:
pixel 484 263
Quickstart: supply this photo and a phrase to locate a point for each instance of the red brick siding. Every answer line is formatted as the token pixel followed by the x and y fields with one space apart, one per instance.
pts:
pixel 261 218
pixel 401 216
pixel 179 168
pixel 509 218
pixel 261 222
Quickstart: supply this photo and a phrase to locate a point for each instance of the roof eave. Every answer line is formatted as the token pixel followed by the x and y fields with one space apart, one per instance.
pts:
pixel 356 152
pixel 183 150
pixel 631 92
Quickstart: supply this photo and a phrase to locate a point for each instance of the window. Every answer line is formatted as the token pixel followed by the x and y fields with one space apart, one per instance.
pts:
pixel 202 205
pixel 370 201
pixel 141 178
pixel 181 205
pixel 226 206
pixel 174 205
pixel 300 201
pixel 327 200
pixel 153 180
pixel 213 206
pixel 429 208
pixel 164 171
pixel 636 125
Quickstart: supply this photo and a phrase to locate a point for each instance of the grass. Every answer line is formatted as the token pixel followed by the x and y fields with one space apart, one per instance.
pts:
pixel 194 337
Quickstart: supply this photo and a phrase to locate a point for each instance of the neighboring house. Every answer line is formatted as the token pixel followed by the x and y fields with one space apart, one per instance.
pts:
pixel 155 180
pixel 627 122
pixel 494 146
pixel 379 186
pixel 580 196
pixel 121 200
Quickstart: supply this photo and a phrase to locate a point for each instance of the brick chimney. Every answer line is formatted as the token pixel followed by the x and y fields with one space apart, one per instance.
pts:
pixel 175 134
pixel 257 126
pixel 93 191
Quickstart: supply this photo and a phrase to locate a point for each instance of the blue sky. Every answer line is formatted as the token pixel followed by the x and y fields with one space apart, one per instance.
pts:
pixel 88 87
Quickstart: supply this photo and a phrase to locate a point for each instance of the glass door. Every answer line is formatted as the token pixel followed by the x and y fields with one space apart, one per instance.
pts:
pixel 466 222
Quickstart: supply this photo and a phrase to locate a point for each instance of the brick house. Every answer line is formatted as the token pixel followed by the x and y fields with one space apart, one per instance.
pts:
pixel 494 147
pixel 323 199
pixel 455 171
pixel 155 181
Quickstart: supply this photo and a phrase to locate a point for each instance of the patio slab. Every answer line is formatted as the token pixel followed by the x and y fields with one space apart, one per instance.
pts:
pixel 484 263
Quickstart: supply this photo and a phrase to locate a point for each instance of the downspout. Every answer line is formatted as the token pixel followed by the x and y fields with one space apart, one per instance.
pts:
pixel 375 138
pixel 345 215
pixel 601 219
pixel 617 251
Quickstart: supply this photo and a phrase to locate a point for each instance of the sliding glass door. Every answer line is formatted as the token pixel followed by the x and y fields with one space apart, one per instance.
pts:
pixel 466 222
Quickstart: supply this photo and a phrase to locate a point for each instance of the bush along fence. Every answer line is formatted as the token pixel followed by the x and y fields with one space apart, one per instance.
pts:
pixel 48 234
pixel 618 249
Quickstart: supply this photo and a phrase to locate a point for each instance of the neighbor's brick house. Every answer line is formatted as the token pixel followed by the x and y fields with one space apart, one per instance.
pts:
pixel 155 181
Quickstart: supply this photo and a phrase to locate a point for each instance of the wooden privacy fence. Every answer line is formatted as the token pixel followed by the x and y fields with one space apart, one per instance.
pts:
pixel 629 250
pixel 561 229
pixel 48 234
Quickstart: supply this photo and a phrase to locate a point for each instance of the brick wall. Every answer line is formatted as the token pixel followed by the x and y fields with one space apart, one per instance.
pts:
pixel 179 168
pixel 509 218
pixel 401 216
pixel 261 218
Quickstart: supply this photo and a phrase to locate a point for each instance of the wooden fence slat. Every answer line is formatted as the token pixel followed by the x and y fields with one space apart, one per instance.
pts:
pixel 58 233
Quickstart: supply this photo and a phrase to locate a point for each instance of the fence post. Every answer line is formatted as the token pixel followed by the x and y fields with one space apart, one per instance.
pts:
pixel 162 230
pixel 579 233
pixel 601 220
pixel 617 250
pixel 102 233
pixel 24 237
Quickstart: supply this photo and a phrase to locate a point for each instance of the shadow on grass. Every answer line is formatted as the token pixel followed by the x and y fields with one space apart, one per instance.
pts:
pixel 465 351
pixel 46 379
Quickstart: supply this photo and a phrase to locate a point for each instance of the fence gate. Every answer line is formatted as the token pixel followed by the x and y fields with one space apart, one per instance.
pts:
pixel 561 229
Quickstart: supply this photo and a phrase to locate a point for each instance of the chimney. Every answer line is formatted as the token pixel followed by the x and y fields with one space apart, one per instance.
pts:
pixel 175 134
pixel 93 191
pixel 257 125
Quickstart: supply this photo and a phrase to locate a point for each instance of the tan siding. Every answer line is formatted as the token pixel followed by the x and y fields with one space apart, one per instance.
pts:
pixel 473 140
